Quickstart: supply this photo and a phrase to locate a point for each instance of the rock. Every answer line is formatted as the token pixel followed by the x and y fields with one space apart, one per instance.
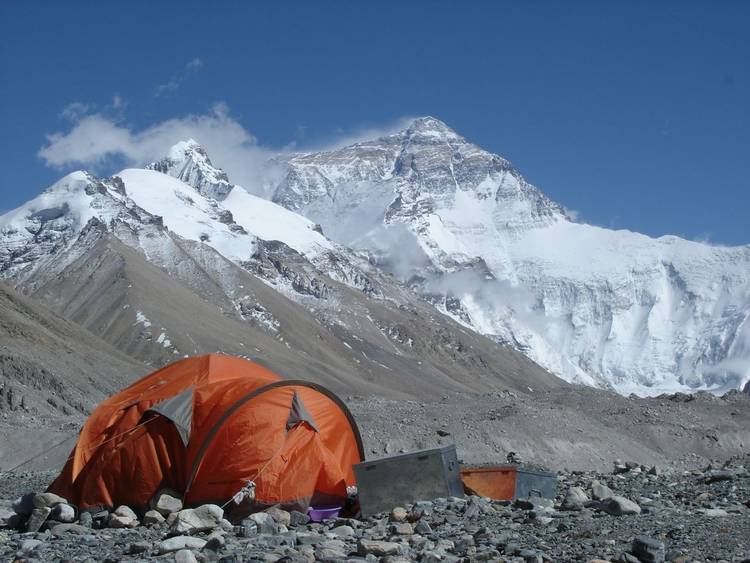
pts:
pixel 619 506
pixel 215 542
pixel 426 507
pixel 180 542
pixel 329 554
pixel 297 518
pixel 600 491
pixel 86 519
pixel 193 520
pixel 153 517
pixel 125 511
pixel 715 512
pixel 423 528
pixel 402 529
pixel 63 513
pixel 574 499
pixel 23 505
pixel 8 517
pixel 37 519
pixel 138 547
pixel 48 500
pixel 648 550
pixel 167 504
pixel 122 517
pixel 62 529
pixel 30 545
pixel 116 521
pixel 377 548
pixel 716 475
pixel 343 531
pixel 185 556
pixel 398 514
pixel 100 519
pixel 280 516
pixel 264 523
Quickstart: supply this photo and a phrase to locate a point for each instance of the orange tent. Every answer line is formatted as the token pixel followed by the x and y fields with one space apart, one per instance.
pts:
pixel 204 427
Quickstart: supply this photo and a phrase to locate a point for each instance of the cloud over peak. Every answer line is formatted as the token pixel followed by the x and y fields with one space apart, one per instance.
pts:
pixel 177 79
pixel 95 138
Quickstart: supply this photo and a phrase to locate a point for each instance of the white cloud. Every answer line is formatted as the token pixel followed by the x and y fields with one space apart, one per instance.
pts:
pixel 99 134
pixel 178 78
pixel 572 214
pixel 74 111
pixel 195 64
pixel 96 138
pixel 344 138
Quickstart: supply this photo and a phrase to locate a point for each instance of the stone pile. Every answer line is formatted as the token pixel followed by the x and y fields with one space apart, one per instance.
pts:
pixel 635 514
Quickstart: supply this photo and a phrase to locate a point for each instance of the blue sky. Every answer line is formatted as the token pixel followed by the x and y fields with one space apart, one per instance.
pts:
pixel 634 114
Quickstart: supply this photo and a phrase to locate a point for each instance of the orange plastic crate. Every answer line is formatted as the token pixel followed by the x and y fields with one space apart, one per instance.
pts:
pixel 508 482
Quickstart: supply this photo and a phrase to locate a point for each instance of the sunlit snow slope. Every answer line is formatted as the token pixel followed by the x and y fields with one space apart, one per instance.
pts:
pixel 593 305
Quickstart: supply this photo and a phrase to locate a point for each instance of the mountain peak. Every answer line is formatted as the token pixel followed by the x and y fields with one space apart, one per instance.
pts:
pixel 189 148
pixel 430 126
pixel 188 161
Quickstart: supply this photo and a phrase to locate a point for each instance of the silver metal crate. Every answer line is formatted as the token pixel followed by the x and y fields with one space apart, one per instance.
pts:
pixel 401 479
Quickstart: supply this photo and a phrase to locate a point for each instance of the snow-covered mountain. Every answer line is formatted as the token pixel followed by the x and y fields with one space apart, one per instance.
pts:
pixel 592 305
pixel 174 260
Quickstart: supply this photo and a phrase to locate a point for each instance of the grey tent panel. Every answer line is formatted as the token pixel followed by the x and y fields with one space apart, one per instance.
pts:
pixel 178 409
pixel 298 413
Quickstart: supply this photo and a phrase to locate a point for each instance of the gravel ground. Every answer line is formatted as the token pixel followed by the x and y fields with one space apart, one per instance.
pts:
pixel 576 432
pixel 684 516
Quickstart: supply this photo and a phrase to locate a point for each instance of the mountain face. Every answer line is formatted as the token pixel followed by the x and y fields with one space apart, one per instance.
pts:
pixel 173 260
pixel 593 305
pixel 51 366
pixel 364 247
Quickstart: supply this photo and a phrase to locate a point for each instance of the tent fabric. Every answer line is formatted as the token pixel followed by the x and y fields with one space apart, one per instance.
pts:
pixel 178 409
pixel 203 427
pixel 299 414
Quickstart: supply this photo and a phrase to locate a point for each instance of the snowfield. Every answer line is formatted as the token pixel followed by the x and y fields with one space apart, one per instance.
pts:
pixel 593 305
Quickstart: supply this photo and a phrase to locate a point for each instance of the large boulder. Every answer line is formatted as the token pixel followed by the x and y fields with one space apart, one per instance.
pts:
pixel 377 548
pixel 122 517
pixel 48 500
pixel 648 550
pixel 619 506
pixel 63 513
pixel 37 519
pixel 23 505
pixel 264 523
pixel 193 520
pixel 167 504
pixel 574 499
pixel 180 542
pixel 600 491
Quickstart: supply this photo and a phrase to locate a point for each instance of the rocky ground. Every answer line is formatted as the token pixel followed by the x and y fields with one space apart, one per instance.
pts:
pixel 579 428
pixel 632 514
pixel 692 508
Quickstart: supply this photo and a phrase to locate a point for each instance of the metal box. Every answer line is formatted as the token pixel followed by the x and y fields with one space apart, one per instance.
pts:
pixel 509 482
pixel 397 480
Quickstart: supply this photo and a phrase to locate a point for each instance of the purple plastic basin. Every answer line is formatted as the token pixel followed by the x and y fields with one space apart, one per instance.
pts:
pixel 320 513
